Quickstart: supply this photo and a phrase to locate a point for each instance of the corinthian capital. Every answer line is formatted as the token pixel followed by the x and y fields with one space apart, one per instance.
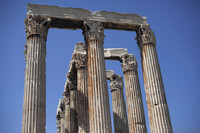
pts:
pixel 128 62
pixel 93 30
pixel 80 60
pixel 37 26
pixel 116 82
pixel 145 35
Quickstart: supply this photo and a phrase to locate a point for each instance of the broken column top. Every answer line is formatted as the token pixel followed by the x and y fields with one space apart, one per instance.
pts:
pixel 72 18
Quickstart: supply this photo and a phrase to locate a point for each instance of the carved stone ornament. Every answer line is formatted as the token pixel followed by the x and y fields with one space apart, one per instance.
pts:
pixel 25 52
pixel 66 96
pixel 93 30
pixel 61 109
pixel 145 35
pixel 80 60
pixel 37 26
pixel 72 76
pixel 116 82
pixel 128 62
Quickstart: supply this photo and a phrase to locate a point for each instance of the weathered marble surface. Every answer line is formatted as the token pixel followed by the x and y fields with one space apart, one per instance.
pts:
pixel 72 18
pixel 118 102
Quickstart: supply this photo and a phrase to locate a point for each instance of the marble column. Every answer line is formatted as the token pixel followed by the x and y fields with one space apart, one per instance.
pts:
pixel 98 101
pixel 82 93
pixel 34 105
pixel 136 116
pixel 61 116
pixel 72 81
pixel 159 117
pixel 118 104
pixel 66 96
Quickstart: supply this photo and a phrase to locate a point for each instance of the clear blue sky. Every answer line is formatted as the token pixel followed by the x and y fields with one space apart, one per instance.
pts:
pixel 177 29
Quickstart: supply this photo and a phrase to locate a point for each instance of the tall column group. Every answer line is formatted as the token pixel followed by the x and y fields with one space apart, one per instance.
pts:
pixel 85 107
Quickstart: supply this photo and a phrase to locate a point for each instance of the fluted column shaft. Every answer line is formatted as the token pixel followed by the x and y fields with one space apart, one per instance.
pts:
pixel 34 106
pixel 72 84
pixel 158 111
pixel 118 104
pixel 98 101
pixel 67 112
pixel 136 116
pixel 82 93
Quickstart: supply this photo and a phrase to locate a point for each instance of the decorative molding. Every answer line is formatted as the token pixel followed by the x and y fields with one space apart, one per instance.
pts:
pixel 66 96
pixel 72 76
pixel 145 36
pixel 25 52
pixel 116 82
pixel 93 30
pixel 61 109
pixel 80 60
pixel 37 26
pixel 128 62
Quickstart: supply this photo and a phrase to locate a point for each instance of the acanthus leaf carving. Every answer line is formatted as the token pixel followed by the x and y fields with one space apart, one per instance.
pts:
pixel 93 30
pixel 80 60
pixel 128 62
pixel 116 82
pixel 145 36
pixel 37 26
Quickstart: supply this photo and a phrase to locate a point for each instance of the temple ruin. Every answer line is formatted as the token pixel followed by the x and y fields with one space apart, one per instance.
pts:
pixel 85 107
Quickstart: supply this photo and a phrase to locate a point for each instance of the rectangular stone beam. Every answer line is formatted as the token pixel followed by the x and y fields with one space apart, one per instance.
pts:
pixel 109 74
pixel 72 18
pixel 114 53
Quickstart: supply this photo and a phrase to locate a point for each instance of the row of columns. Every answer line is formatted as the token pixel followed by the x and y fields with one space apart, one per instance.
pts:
pixel 34 107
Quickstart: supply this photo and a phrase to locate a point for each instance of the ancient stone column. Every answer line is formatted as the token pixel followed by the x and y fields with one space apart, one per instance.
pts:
pixel 61 116
pixel 82 93
pixel 72 81
pixel 98 101
pixel 34 106
pixel 66 95
pixel 118 103
pixel 158 112
pixel 136 116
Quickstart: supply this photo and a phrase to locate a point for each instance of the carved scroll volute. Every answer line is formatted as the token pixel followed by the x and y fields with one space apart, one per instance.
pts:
pixel 145 36
pixel 128 63
pixel 37 26
pixel 93 30
pixel 116 82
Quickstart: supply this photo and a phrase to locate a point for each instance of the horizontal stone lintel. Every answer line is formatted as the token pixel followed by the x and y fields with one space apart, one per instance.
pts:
pixel 114 53
pixel 72 18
